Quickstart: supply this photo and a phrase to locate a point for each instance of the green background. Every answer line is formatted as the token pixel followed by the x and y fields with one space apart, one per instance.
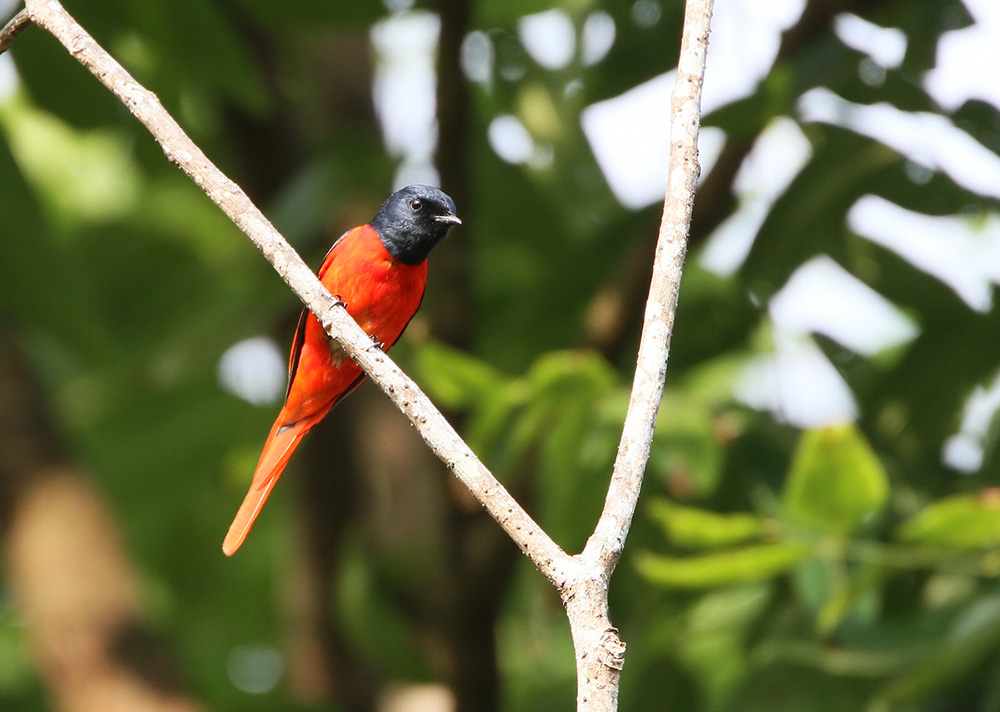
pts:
pixel 769 568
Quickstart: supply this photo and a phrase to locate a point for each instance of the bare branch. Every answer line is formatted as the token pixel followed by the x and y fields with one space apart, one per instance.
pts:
pixel 605 545
pixel 12 29
pixel 600 652
pixel 432 426
pixel 582 580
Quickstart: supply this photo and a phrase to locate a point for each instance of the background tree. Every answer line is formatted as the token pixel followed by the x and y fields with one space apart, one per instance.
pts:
pixel 847 566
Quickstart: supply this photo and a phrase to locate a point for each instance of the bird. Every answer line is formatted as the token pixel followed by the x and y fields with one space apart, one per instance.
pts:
pixel 378 271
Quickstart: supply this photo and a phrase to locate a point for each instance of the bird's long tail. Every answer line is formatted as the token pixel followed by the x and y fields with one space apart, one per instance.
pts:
pixel 278 448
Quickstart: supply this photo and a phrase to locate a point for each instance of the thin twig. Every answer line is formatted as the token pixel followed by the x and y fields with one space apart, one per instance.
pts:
pixel 600 652
pixel 605 545
pixel 432 426
pixel 12 29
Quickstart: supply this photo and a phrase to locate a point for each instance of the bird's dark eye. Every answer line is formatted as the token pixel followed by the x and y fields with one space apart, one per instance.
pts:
pixel 416 205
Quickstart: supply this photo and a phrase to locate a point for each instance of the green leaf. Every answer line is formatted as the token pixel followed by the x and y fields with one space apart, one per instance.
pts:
pixel 836 481
pixel 84 174
pixel 559 383
pixel 750 563
pixel 965 521
pixel 711 643
pixel 702 529
pixel 970 640
pixel 455 378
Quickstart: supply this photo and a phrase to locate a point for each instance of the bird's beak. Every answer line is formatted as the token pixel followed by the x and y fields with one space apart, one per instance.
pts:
pixel 449 218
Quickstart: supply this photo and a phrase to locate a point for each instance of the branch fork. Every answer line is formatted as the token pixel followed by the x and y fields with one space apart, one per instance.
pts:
pixel 582 580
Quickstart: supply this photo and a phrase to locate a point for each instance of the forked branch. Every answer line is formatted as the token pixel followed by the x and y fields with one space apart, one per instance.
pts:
pixel 582 580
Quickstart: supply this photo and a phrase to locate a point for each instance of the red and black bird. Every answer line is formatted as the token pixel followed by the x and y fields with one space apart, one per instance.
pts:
pixel 379 270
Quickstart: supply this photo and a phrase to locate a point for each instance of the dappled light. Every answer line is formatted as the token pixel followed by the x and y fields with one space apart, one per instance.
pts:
pixel 819 525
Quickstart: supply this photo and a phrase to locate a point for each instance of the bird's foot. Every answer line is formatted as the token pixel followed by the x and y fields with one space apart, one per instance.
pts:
pixel 376 343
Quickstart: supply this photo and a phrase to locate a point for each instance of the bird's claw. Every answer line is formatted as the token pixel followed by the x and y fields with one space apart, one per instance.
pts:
pixel 338 301
pixel 376 343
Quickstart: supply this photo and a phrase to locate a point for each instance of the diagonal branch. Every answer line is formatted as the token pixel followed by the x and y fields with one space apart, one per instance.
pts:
pixel 440 436
pixel 18 24
pixel 605 545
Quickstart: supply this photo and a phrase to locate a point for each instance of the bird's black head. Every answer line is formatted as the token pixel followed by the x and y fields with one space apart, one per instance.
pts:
pixel 413 220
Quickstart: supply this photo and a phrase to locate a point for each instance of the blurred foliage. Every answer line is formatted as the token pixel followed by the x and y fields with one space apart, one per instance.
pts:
pixel 836 568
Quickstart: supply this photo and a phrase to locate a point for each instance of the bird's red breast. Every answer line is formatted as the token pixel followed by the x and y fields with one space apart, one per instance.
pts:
pixel 382 295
